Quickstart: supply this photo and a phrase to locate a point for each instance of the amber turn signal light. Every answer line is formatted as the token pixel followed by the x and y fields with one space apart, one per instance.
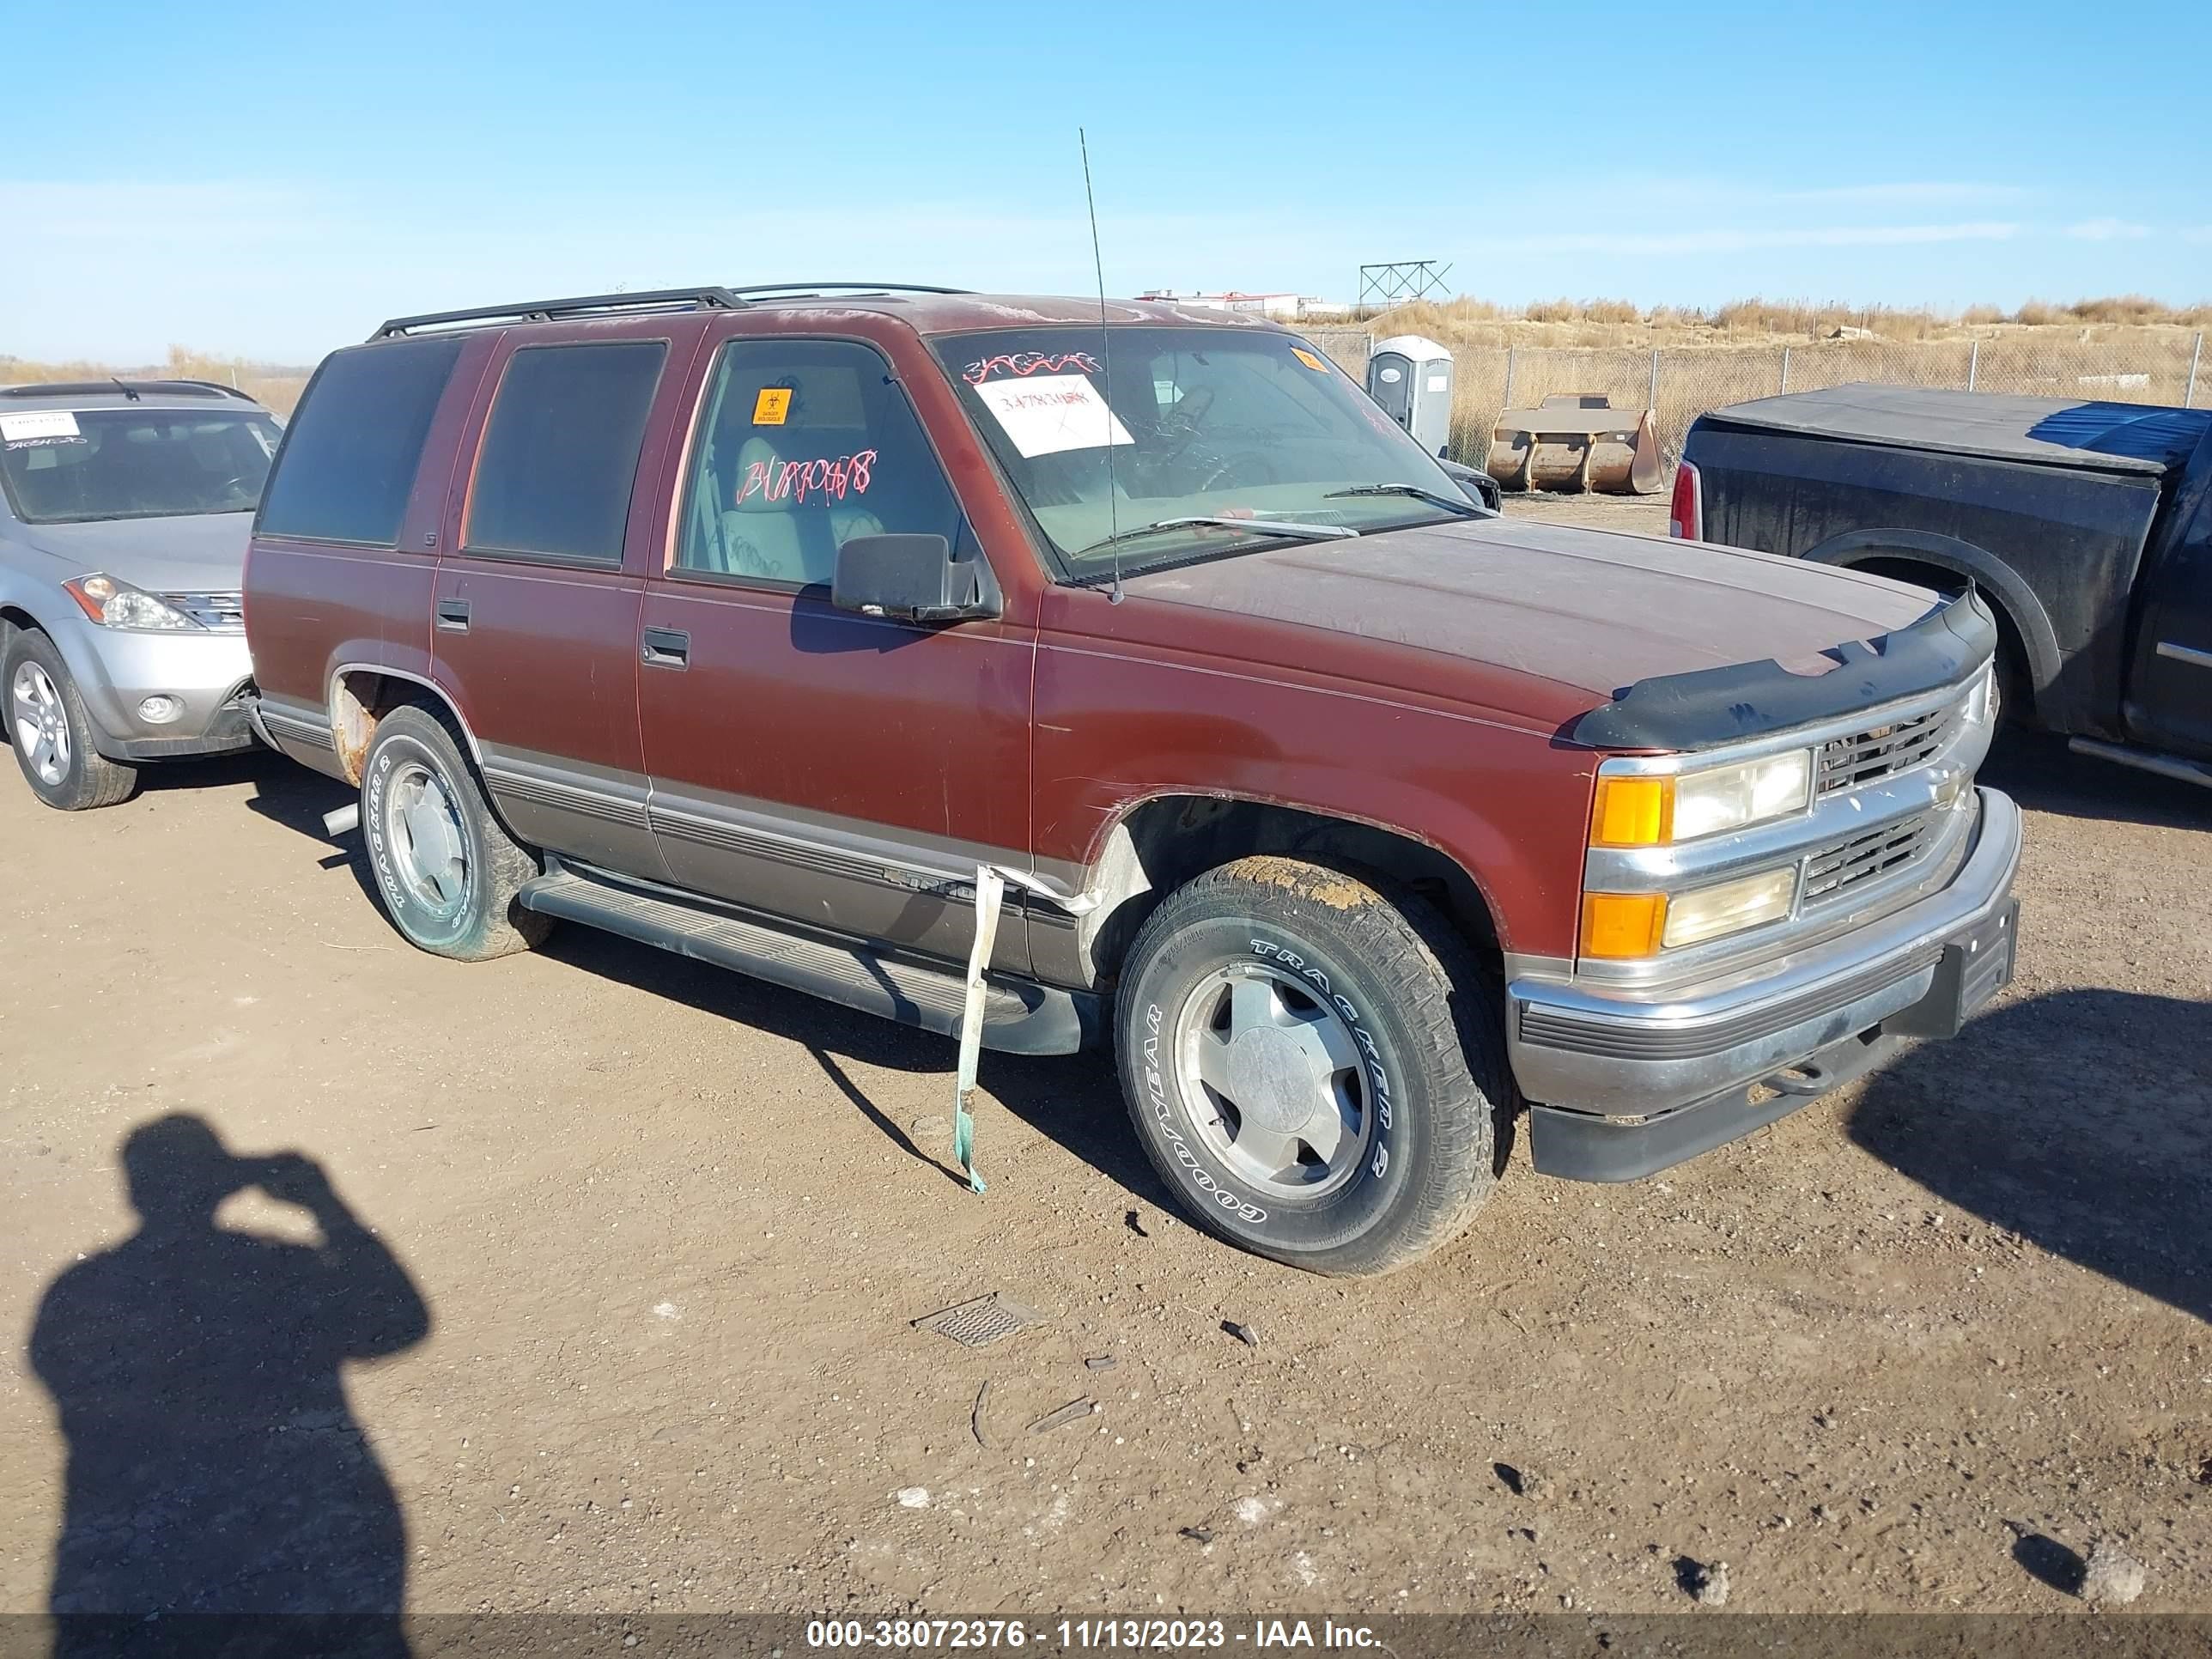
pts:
pixel 1622 925
pixel 1633 812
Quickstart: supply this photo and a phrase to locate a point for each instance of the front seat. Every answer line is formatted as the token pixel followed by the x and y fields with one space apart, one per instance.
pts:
pixel 767 537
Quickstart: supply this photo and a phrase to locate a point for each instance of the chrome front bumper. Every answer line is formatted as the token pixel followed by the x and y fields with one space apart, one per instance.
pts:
pixel 1616 1067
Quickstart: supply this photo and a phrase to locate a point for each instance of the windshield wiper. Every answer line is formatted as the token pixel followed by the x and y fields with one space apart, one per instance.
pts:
pixel 1465 509
pixel 1304 532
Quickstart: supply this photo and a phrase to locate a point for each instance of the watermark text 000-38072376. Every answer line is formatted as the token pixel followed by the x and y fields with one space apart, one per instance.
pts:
pixel 1087 1635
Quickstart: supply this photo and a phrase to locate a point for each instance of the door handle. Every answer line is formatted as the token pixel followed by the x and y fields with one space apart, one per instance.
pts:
pixel 667 647
pixel 453 616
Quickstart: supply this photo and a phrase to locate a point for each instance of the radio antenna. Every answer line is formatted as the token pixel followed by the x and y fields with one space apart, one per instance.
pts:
pixel 1105 366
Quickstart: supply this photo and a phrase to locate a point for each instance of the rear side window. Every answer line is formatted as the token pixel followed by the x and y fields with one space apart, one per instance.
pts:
pixel 559 454
pixel 350 455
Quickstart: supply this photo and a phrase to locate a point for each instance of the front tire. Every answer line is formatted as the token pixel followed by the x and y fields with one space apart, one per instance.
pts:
pixel 445 867
pixel 1315 1067
pixel 51 730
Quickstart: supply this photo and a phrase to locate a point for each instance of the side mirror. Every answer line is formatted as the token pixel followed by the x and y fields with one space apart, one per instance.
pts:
pixel 1474 484
pixel 910 578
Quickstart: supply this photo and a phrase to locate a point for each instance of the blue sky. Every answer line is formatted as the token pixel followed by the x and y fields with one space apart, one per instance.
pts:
pixel 273 178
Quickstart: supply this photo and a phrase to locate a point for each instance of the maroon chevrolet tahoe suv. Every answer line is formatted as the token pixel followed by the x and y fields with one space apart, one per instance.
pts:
pixel 835 635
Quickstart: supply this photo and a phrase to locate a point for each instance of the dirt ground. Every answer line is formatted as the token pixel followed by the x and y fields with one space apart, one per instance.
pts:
pixel 621 1255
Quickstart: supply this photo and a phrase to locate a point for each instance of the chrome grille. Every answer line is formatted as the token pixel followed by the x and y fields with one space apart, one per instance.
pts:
pixel 222 610
pixel 1834 871
pixel 1881 751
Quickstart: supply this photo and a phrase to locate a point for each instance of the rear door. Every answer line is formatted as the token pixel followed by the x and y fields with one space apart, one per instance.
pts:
pixel 2169 699
pixel 534 623
pixel 844 771
pixel 343 563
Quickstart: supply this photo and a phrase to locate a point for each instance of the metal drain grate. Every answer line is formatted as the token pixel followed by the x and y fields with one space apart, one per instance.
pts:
pixel 985 1320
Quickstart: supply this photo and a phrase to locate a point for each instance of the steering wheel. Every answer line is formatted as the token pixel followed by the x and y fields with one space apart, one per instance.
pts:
pixel 1179 426
pixel 1249 467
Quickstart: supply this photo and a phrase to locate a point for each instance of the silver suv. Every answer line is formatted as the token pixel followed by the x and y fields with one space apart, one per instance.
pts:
pixel 124 509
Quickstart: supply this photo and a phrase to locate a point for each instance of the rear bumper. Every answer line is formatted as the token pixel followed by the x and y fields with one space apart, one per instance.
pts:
pixel 1621 1084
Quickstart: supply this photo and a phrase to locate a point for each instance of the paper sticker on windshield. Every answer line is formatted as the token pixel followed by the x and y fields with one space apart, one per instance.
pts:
pixel 49 425
pixel 773 406
pixel 1309 360
pixel 1048 413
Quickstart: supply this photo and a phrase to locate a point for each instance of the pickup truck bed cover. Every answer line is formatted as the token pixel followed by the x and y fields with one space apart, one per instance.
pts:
pixel 2102 437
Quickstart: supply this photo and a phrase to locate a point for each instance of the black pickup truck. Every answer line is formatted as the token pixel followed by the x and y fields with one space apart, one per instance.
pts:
pixel 2087 526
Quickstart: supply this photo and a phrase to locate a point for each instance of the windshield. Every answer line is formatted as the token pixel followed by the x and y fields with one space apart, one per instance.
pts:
pixel 65 467
pixel 1182 424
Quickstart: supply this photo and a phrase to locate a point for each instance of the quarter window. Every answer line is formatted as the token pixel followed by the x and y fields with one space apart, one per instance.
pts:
pixel 805 444
pixel 559 460
pixel 350 455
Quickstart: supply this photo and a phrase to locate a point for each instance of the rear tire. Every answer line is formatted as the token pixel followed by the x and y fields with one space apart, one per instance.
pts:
pixel 1316 1066
pixel 445 867
pixel 51 730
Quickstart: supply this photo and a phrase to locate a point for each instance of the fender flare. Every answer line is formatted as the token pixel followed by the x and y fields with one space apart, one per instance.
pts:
pixel 1111 874
pixel 2031 623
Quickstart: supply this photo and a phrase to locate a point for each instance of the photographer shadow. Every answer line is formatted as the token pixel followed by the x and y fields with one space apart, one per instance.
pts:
pixel 216 1475
pixel 2080 1119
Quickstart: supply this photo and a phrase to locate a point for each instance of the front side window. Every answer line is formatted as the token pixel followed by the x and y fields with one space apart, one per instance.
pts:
pixel 802 445
pixel 350 455
pixel 1106 432
pixel 559 454
pixel 70 466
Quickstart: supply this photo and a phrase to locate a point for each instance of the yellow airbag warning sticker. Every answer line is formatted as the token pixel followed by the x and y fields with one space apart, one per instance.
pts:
pixel 773 406
pixel 1309 360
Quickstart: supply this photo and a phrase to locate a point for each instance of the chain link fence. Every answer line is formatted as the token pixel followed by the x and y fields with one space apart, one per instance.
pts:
pixel 1680 383
pixel 1346 347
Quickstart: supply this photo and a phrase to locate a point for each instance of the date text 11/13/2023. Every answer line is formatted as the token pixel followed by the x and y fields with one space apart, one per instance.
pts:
pixel 1086 1635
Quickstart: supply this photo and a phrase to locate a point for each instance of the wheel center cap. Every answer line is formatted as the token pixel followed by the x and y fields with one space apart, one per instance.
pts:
pixel 1270 1080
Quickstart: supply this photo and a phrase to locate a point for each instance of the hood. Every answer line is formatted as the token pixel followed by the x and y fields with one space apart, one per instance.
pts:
pixel 204 553
pixel 1594 610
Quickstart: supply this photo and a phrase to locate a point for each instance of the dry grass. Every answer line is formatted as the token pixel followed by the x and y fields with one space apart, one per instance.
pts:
pixel 1756 321
pixel 277 385
pixel 1680 363
pixel 1476 326
pixel 2135 310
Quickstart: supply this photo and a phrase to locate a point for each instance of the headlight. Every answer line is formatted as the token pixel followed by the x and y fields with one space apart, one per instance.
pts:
pixel 114 604
pixel 1654 811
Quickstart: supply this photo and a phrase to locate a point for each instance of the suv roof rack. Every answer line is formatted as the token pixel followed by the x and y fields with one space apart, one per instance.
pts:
pixel 585 305
pixel 801 290
pixel 130 390
pixel 215 386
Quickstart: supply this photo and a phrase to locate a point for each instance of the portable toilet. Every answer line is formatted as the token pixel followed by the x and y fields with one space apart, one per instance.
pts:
pixel 1412 377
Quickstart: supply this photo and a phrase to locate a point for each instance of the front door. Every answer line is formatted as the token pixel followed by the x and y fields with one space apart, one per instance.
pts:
pixel 534 623
pixel 846 772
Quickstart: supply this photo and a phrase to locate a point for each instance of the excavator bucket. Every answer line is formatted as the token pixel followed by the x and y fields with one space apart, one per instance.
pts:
pixel 1575 442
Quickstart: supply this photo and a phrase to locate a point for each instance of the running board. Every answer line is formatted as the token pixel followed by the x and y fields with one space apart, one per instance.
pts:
pixel 1019 1017
pixel 2146 759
